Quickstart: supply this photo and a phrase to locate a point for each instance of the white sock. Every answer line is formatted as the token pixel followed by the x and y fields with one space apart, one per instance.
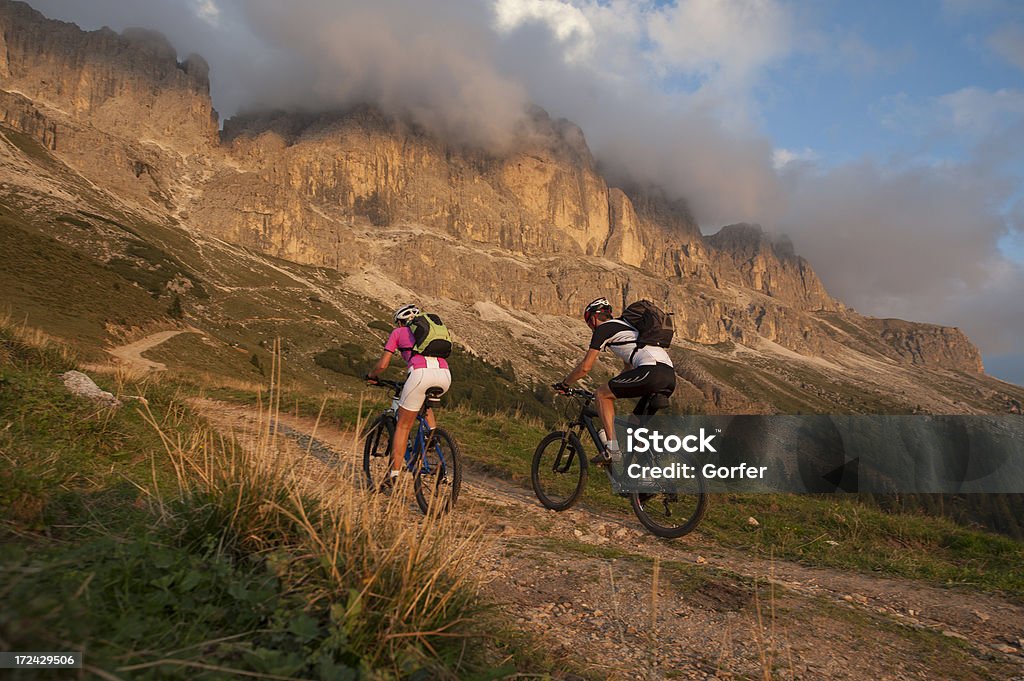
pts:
pixel 612 444
pixel 394 473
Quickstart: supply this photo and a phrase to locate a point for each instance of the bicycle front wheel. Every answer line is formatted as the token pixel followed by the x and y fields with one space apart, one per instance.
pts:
pixel 377 449
pixel 559 470
pixel 672 513
pixel 438 475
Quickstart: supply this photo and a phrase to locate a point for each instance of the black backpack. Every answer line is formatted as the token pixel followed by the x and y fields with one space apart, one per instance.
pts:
pixel 653 324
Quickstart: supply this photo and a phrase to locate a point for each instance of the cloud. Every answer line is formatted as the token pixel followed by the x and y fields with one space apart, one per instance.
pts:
pixel 899 242
pixel 568 23
pixel 208 11
pixel 725 41
pixel 784 157
pixel 1008 43
pixel 431 61
pixel 978 112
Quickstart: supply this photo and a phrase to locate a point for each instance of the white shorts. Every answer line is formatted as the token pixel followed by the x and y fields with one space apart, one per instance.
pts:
pixel 415 390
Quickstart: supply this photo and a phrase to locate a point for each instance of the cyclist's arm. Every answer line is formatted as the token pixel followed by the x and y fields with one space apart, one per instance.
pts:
pixel 382 364
pixel 583 368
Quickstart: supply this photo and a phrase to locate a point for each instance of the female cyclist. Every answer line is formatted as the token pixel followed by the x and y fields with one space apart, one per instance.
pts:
pixel 424 372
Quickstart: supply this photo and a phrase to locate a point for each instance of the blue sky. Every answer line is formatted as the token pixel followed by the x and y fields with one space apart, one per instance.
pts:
pixel 888 103
pixel 885 138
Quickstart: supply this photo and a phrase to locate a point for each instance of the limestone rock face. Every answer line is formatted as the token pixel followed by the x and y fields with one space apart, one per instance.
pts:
pixel 130 82
pixel 929 344
pixel 771 267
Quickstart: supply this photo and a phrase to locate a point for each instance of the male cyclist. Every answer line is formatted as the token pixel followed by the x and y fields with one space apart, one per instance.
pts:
pixel 424 372
pixel 648 373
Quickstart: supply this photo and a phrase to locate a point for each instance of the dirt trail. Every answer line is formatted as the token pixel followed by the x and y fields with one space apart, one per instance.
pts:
pixel 583 583
pixel 131 354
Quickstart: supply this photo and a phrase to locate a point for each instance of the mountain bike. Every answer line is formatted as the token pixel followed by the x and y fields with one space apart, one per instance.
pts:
pixel 559 474
pixel 432 455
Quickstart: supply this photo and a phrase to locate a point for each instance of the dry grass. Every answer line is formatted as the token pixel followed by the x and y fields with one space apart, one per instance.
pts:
pixel 390 583
pixel 23 334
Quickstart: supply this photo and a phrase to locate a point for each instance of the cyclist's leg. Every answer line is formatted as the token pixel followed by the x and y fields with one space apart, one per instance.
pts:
pixel 630 383
pixel 409 403
pixel 414 394
pixel 606 408
pixel 406 420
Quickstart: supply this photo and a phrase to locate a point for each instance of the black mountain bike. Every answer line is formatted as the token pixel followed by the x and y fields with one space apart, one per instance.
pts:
pixel 559 474
pixel 432 454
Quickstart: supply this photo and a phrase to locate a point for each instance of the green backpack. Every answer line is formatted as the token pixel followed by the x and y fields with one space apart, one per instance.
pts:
pixel 431 335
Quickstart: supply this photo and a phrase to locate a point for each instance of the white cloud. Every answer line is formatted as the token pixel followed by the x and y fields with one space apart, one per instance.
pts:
pixel 918 243
pixel 783 157
pixel 977 111
pixel 568 23
pixel 1008 43
pixel 731 40
pixel 208 11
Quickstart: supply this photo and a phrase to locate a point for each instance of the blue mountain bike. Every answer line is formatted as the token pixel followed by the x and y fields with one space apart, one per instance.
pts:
pixel 432 455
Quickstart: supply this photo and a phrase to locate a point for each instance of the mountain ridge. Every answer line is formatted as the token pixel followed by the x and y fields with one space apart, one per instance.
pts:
pixel 538 230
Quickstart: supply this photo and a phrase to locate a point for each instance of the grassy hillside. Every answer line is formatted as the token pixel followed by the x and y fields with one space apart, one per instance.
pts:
pixel 137 537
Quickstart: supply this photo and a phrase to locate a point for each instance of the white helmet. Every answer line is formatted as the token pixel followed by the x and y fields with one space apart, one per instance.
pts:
pixel 596 306
pixel 405 313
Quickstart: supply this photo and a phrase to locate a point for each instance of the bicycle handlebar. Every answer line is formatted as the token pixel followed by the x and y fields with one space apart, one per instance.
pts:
pixel 576 392
pixel 385 383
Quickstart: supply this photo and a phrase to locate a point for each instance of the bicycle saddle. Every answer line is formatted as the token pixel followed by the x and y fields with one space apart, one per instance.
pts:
pixel 434 394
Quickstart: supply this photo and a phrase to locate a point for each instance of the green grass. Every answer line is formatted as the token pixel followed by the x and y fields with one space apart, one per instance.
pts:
pixel 115 547
pixel 41 275
pixel 153 269
pixel 801 527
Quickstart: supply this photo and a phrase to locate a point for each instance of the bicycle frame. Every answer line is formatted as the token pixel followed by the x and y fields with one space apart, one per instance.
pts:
pixel 419 442
pixel 583 421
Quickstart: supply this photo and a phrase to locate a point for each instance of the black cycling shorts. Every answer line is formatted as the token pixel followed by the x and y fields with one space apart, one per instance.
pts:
pixel 644 382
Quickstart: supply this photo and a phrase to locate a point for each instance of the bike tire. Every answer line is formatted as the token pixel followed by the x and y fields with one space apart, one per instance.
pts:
pixel 681 512
pixel 437 479
pixel 377 449
pixel 558 490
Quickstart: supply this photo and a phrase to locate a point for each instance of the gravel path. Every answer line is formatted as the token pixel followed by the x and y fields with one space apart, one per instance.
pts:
pixel 614 602
pixel 131 354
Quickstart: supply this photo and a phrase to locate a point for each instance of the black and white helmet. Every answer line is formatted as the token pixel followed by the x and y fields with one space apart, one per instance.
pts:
pixel 596 306
pixel 405 313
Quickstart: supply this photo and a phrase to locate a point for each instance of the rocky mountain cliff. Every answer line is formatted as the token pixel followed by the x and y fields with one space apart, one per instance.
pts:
pixel 537 230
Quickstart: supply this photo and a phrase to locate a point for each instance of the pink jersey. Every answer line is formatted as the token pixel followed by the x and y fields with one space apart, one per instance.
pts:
pixel 401 340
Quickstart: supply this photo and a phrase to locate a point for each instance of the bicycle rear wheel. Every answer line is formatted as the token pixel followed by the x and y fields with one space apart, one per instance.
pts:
pixel 438 475
pixel 559 470
pixel 377 449
pixel 672 513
